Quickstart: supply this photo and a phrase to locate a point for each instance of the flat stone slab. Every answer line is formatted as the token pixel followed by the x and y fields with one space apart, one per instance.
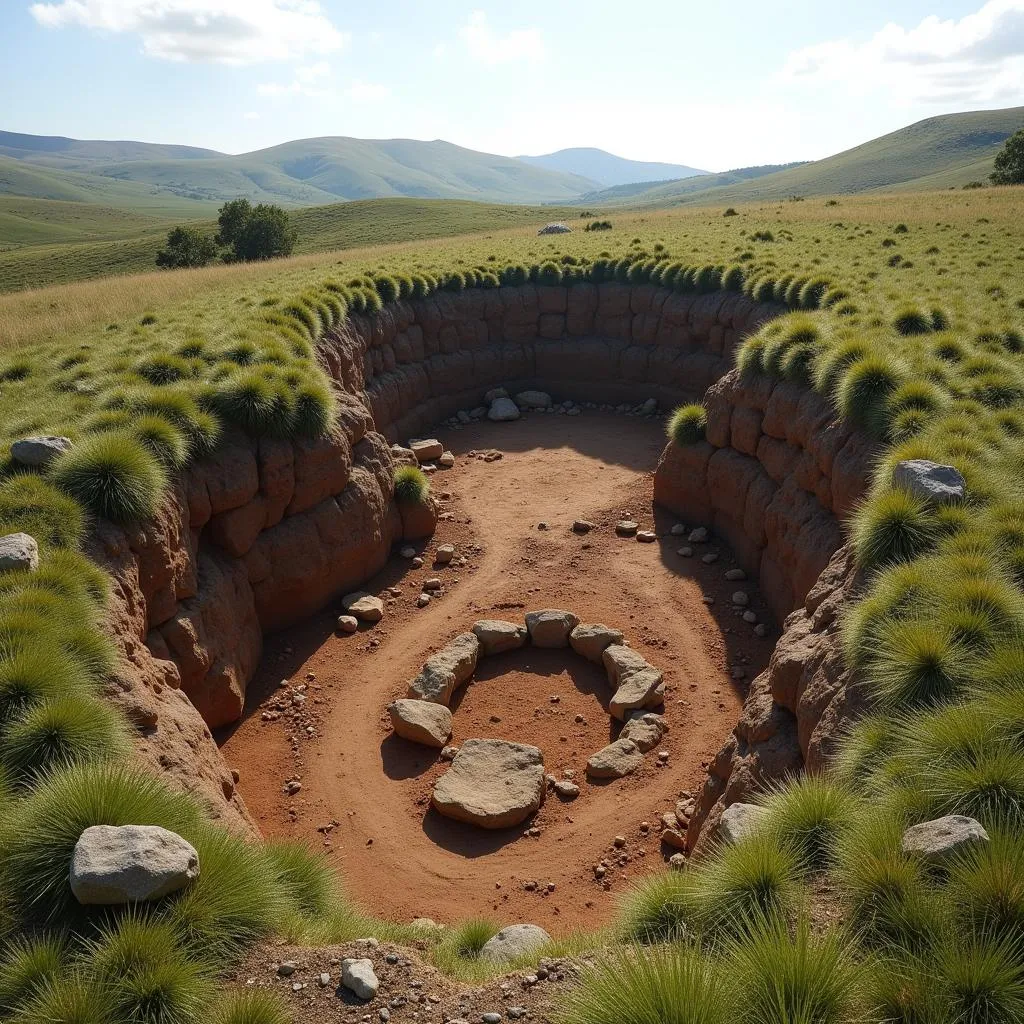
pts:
pixel 497 635
pixel 503 410
pixel 626 528
pixel 944 838
pixel 739 820
pixel 114 864
pixel 365 607
pixel 421 721
pixel 637 683
pixel 19 552
pixel 39 451
pixel 590 639
pixel 492 783
pixel 930 481
pixel 645 729
pixel 550 627
pixel 513 942
pixel 443 673
pixel 426 450
pixel 614 761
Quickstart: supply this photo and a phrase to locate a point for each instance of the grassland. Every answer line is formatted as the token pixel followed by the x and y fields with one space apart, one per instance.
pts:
pixel 907 316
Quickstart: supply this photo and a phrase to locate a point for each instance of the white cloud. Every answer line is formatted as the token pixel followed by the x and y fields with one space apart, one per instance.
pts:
pixel 976 59
pixel 309 80
pixel 486 46
pixel 218 31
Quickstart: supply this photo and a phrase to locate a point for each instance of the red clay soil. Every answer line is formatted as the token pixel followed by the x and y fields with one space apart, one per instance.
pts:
pixel 365 794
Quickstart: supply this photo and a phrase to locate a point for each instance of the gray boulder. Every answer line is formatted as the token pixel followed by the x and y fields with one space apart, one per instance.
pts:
pixel 591 638
pixel 365 607
pixel 930 481
pixel 421 721
pixel 427 449
pixel 496 635
pixel 502 410
pixel 443 673
pixel 492 783
pixel 645 729
pixel 617 759
pixel 944 838
pixel 19 552
pixel 637 683
pixel 739 820
pixel 533 400
pixel 555 228
pixel 39 451
pixel 550 627
pixel 113 864
pixel 359 977
pixel 513 942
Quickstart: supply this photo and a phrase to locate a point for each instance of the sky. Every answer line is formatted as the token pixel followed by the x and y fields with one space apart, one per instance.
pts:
pixel 711 85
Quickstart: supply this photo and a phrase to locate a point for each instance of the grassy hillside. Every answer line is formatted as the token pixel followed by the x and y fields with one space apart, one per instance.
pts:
pixel 131 244
pixel 944 151
pixel 639 190
pixel 78 154
pixel 607 169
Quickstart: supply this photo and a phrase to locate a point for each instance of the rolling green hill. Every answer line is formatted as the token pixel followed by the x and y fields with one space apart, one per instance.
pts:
pixel 940 152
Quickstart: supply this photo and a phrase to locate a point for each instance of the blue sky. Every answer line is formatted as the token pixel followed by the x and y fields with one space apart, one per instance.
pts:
pixel 711 85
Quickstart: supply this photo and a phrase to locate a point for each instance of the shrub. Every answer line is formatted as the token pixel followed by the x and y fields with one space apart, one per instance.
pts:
pixel 314 409
pixel 658 986
pixel 36 674
pixel 464 942
pixel 1008 167
pixel 812 293
pixel 831 365
pixel 186 247
pixel 112 475
pixel 250 232
pixel 164 368
pixel 980 978
pixel 304 878
pixel 892 527
pixel 688 424
pixel 411 485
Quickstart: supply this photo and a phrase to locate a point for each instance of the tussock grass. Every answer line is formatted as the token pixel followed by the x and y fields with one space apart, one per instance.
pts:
pixel 411 485
pixel 688 424
pixel 250 1006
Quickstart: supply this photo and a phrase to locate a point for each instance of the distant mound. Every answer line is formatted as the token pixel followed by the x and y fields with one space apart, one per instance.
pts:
pixel 607 169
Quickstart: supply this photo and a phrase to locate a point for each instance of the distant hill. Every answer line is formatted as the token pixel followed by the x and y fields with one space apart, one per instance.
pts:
pixel 606 169
pixel 940 152
pixel 308 172
pixel 698 183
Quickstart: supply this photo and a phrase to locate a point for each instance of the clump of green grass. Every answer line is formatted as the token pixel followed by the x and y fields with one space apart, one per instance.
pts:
pixel 32 505
pixel 411 485
pixel 688 424
pixel 864 390
pixel 808 815
pixel 27 964
pixel 895 526
pixel 250 1006
pixel 659 908
pixel 111 475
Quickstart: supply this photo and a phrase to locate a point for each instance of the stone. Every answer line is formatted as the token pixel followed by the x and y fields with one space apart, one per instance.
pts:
pixel 582 526
pixel 678 530
pixel 699 535
pixel 761 629
pixel 626 528
pixel 347 623
pixel 741 598
pixel 365 607
pixel 421 721
pixel 685 552
pixel 443 673
pixel 493 395
pixel 750 616
pixel 555 228
pixel 447 460
pixel 738 821
pixel 566 789
pixel 19 552
pixel 646 536
pixel 39 451
pixel 503 410
pixel 513 942
pixel 614 761
pixel 423 600
pixel 590 639
pixel 533 400
pixel 637 683
pixel 943 839
pixel 677 862
pixel 496 635
pixel 735 575
pixel 434 583
pixel 491 783
pixel 113 864
pixel 444 554
pixel 408 552
pixel 710 558
pixel 426 450
pixel 930 481
pixel 649 408
pixel 645 729
pixel 358 976
pixel 550 627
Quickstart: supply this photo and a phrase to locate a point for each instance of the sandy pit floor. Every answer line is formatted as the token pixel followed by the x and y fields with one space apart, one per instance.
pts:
pixel 363 795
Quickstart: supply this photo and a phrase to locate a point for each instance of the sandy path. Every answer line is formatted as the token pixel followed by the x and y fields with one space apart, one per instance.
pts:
pixel 398 857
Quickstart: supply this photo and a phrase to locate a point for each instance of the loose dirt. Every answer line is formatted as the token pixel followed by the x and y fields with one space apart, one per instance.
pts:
pixel 365 794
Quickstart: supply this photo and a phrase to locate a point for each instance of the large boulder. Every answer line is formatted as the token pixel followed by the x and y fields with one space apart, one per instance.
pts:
pixel 617 759
pixel 550 627
pixel 39 451
pixel 637 683
pixel 645 729
pixel 492 783
pixel 19 552
pixel 513 942
pixel 502 410
pixel 496 635
pixel 739 820
pixel 591 638
pixel 113 864
pixel 944 838
pixel 443 673
pixel 930 481
pixel 421 721
pixel 533 400
pixel 359 977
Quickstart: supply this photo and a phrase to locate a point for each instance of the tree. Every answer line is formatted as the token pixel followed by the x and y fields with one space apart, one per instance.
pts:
pixel 254 232
pixel 186 247
pixel 1009 163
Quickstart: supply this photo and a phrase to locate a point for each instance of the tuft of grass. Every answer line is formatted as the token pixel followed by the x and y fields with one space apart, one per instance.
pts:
pixel 411 485
pixel 893 527
pixel 70 999
pixel 34 675
pixel 808 815
pixel 864 391
pixel 659 908
pixel 688 424
pixel 250 1006
pixel 32 505
pixel 111 475
pixel 167 443
pixel 986 886
pixel 27 965
pixel 980 978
